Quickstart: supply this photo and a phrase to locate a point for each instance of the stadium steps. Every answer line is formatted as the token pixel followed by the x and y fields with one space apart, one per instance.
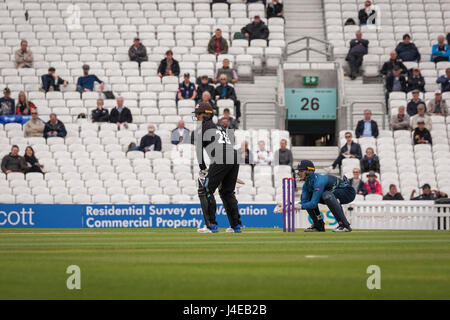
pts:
pixel 322 157
pixel 304 18
pixel 356 90
pixel 264 88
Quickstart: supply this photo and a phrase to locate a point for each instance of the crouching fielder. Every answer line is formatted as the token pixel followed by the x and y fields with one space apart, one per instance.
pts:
pixel 324 189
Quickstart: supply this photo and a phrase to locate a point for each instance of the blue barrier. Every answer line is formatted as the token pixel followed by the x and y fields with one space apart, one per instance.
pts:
pixel 129 216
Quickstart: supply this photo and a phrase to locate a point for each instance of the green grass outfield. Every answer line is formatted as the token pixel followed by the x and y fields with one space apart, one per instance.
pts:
pixel 257 264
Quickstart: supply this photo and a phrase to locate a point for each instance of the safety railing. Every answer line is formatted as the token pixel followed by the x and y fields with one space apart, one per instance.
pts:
pixel 328 53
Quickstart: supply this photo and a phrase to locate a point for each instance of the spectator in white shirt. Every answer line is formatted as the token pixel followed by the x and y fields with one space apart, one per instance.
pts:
pixel 262 157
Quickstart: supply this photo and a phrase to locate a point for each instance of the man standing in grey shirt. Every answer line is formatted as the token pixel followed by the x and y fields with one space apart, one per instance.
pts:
pixel 283 156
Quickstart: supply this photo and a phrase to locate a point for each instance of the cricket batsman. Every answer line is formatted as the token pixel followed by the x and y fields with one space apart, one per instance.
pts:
pixel 222 172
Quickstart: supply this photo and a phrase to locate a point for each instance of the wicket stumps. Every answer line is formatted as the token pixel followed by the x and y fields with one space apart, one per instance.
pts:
pixel 289 204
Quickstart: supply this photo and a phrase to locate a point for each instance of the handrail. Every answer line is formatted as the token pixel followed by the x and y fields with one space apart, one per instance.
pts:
pixel 328 48
pixel 383 120
pixel 275 113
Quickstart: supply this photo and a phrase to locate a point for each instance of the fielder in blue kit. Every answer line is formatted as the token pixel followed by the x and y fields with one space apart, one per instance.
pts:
pixel 325 189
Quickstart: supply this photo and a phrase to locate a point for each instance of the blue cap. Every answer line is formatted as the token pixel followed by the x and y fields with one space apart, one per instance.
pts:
pixel 306 165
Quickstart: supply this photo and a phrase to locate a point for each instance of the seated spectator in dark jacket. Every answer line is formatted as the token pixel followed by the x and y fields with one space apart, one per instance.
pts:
pixel 283 156
pixel 51 81
pixel 24 107
pixel 427 194
pixel 218 44
pixel 416 81
pixel 180 134
pixel 204 86
pixel 444 80
pixel 440 51
pixel 137 51
pixel 186 89
pixel 400 121
pixel 256 30
pixel 357 183
pixel 7 105
pixel 245 156
pixel 370 161
pixel 358 49
pixel 151 141
pixel 367 14
pixel 13 162
pixel 407 51
pixel 350 150
pixel 411 108
pixel 168 66
pixel 31 161
pixel 226 70
pixel 225 91
pixel 100 114
pixel 396 81
pixel 393 194
pixel 54 128
pixel 120 115
pixel 275 9
pixel 393 62
pixel 437 106
pixel 232 122
pixel 206 97
pixel 421 134
pixel 367 127
pixel 86 82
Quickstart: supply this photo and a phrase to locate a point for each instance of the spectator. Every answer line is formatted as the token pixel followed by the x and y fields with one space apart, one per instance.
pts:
pixel 225 91
pixel 226 70
pixel 13 162
pixel 186 89
pixel 400 121
pixel 421 134
pixel 151 141
pixel 444 80
pixel 120 115
pixel 23 57
pixel 393 194
pixel 204 86
pixel 256 30
pixel 411 108
pixel 232 122
pixel 275 9
pixel 245 156
pixel 206 97
pixel 393 62
pixel 224 123
pixel 262 156
pixel 138 52
pixel 437 106
pixel 416 81
pixel 7 104
pixel 395 82
pixel 51 82
pixel 349 150
pixel 54 128
pixel 427 194
pixel 283 156
pixel 32 163
pixel 357 183
pixel 372 184
pixel 367 14
pixel 370 161
pixel 440 51
pixel 180 134
pixel 367 127
pixel 218 44
pixel 168 66
pixel 358 48
pixel 24 107
pixel 407 51
pixel 85 83
pixel 34 127
pixel 420 115
pixel 100 114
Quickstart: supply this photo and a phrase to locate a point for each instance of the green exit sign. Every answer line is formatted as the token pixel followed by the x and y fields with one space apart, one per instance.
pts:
pixel 311 80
